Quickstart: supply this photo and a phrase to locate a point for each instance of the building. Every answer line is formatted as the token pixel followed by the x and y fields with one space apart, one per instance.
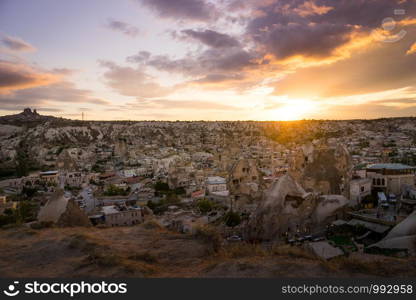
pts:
pixel 216 184
pixel 50 177
pixel 359 188
pixel 74 179
pixel 390 178
pixel 121 215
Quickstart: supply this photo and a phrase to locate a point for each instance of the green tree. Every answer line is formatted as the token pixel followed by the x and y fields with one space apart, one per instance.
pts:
pixel 232 219
pixel 205 205
pixel 113 190
pixel 29 192
pixel 161 186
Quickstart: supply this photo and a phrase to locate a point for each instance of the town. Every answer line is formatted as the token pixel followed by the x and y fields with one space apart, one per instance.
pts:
pixel 334 188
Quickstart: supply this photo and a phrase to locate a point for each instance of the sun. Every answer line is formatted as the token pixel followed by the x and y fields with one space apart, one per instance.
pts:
pixel 293 110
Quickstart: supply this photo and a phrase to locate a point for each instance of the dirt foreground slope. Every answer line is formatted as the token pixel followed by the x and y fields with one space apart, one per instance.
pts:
pixel 147 251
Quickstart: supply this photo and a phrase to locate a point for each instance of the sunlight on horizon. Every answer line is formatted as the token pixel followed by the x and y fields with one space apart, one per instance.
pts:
pixel 292 111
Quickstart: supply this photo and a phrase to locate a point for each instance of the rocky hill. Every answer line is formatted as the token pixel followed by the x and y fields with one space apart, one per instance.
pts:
pixel 26 117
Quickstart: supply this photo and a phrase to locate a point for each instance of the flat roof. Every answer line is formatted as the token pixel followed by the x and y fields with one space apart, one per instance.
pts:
pixel 389 166
pixel 216 180
pixel 110 209
pixel 379 228
pixel 48 173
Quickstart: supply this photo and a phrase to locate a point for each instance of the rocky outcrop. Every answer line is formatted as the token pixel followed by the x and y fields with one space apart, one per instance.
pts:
pixel 287 209
pixel 322 168
pixel 26 116
pixel 62 212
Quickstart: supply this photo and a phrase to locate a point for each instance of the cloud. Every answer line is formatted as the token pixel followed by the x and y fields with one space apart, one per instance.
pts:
pixel 309 8
pixel 17 44
pixel 212 38
pixel 412 49
pixel 215 78
pixel 133 82
pixel 123 27
pixel 300 39
pixel 196 10
pixel 288 28
pixel 18 75
pixel 367 111
pixel 200 64
pixel 59 93
pixel 180 105
pixel 384 67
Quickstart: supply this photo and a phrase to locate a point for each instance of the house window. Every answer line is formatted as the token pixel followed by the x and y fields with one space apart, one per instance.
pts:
pixel 362 189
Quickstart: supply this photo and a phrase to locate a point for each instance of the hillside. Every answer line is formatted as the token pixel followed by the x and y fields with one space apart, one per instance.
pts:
pixel 147 251
pixel 26 117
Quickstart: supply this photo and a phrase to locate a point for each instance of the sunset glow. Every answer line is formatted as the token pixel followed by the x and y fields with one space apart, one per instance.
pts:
pixel 208 59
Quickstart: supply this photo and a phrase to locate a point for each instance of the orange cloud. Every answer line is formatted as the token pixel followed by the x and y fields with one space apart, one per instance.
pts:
pixel 17 76
pixel 309 8
pixel 412 49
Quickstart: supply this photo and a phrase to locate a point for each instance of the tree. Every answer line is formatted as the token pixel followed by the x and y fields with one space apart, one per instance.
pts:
pixel 205 205
pixel 29 192
pixel 161 186
pixel 172 198
pixel 232 219
pixel 113 190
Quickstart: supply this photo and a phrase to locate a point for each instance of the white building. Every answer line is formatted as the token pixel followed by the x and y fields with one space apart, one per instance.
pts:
pixel 121 216
pixel 359 188
pixel 216 184
pixel 390 178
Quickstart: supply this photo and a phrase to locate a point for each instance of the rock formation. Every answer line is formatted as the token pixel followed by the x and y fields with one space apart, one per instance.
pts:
pixel 63 212
pixel 322 168
pixel 285 207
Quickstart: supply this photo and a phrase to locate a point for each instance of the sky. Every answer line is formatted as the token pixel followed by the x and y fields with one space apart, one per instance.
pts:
pixel 209 59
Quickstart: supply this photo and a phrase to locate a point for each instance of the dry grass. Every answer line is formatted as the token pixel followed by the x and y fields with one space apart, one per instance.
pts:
pixel 139 252
pixel 100 255
pixel 144 256
pixel 239 250
pixel 210 236
pixel 354 265
pixel 292 251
